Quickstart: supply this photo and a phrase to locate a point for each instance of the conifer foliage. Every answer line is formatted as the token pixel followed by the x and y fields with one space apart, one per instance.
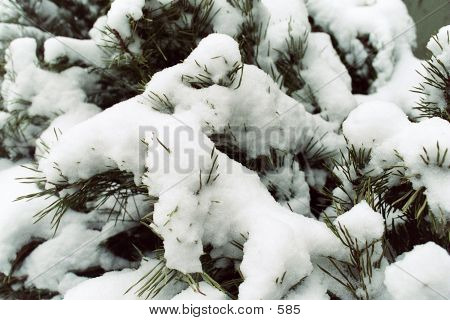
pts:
pixel 227 149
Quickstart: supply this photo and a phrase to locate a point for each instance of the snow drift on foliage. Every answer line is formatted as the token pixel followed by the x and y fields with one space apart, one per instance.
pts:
pixel 288 85
pixel 386 129
pixel 413 277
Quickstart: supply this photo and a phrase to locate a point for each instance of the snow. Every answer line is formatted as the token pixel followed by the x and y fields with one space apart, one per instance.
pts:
pixel 21 53
pixel 47 9
pixel 291 189
pixel 412 276
pixel 393 39
pixel 218 215
pixel 3 118
pixel 62 123
pixel 386 23
pixel 216 53
pixel 386 129
pixel 88 154
pixel 327 78
pixel 11 31
pixel 439 46
pixel 114 285
pixel 5 163
pixel 97 31
pixel 75 248
pixel 256 103
pixel 287 20
pixel 432 135
pixel 313 287
pixel 40 93
pixel 372 123
pixel 120 13
pixel 16 217
pixel 8 12
pixel 75 50
pixel 188 218
pixel 398 89
pixel 203 292
pixel 259 224
pixel 108 31
pixel 362 223
pixel 227 19
pixel 183 253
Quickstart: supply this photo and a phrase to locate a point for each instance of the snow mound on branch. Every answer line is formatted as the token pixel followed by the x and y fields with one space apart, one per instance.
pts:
pixel 289 187
pixel 389 28
pixel 200 190
pixel 226 19
pixel 75 50
pixel 54 263
pixel 120 13
pixel 115 284
pixel 204 292
pixel 375 38
pixel 189 216
pixel 218 214
pixel 34 93
pixel 11 31
pixel 289 20
pixel 283 32
pixel 327 78
pixel 16 217
pixel 215 55
pixel 418 149
pixel 288 33
pixel 3 119
pixel 112 29
pixel 412 276
pixel 417 83
pixel 362 223
pixel 8 11
pixel 372 123
pixel 5 163
pixel 259 115
pixel 74 246
pixel 424 159
pixel 439 45
pixel 312 288
pixel 398 89
pixel 234 99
